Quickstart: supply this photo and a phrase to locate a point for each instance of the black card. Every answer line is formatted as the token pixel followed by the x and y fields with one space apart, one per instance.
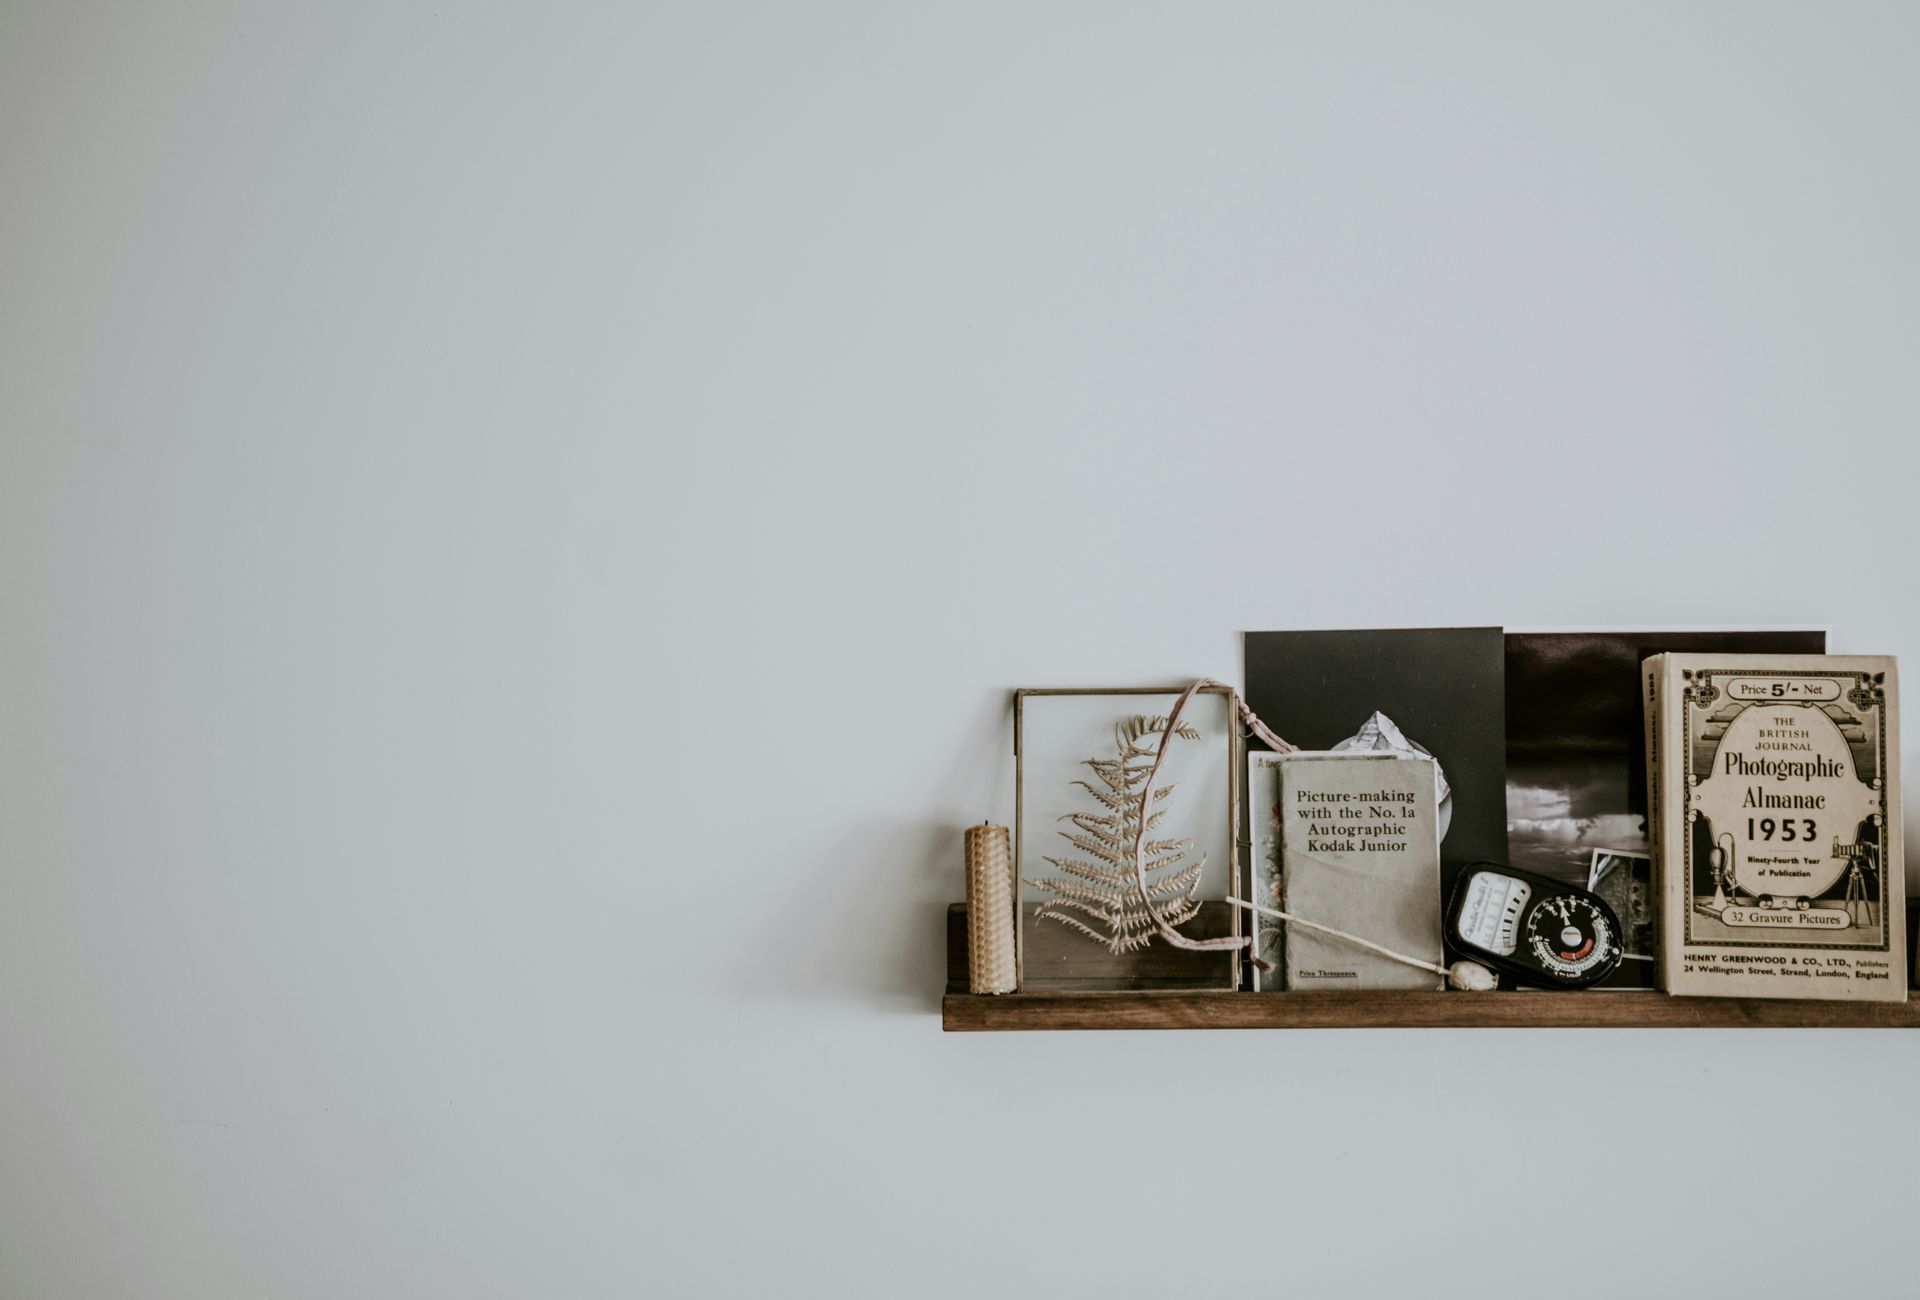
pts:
pixel 1443 687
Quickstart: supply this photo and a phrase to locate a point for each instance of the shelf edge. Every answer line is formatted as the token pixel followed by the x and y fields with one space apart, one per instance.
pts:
pixel 970 1013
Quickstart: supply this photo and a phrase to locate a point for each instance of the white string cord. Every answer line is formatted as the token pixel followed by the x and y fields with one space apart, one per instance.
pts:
pixel 1291 919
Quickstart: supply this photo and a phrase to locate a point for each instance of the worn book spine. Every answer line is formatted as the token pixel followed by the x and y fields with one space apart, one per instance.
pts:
pixel 1775 798
pixel 1650 672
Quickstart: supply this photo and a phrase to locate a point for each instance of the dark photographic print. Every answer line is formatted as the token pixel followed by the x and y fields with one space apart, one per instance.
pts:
pixel 1576 774
pixel 1576 763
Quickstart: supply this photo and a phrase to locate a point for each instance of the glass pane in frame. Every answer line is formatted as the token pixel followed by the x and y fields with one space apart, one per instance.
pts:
pixel 1080 754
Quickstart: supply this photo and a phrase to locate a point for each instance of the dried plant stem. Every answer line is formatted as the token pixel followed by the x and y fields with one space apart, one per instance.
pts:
pixel 1161 924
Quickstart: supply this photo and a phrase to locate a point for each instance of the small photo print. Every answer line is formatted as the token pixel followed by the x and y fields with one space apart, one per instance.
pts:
pixel 1625 881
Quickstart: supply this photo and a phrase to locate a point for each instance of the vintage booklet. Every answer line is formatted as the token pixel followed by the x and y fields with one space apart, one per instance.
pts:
pixel 1349 840
pixel 1774 794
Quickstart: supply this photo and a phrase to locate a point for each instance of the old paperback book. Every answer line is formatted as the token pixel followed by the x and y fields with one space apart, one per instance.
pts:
pixel 1349 840
pixel 1774 793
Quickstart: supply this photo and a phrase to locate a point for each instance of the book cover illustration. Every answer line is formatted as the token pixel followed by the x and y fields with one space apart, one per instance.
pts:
pixel 1349 840
pixel 1779 836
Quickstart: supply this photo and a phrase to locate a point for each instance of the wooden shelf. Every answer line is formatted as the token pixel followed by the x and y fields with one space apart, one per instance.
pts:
pixel 1591 1010
pixel 1050 1006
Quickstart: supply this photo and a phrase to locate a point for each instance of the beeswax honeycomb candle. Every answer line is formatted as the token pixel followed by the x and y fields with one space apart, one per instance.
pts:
pixel 990 951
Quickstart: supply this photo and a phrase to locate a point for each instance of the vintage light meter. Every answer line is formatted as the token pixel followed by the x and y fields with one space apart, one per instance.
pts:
pixel 1539 930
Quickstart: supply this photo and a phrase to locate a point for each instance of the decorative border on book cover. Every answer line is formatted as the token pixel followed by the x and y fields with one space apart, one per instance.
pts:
pixel 1785 809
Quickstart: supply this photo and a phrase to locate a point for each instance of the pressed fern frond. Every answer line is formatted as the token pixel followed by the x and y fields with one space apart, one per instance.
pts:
pixel 1087 871
pixel 1102 898
pixel 1080 891
pixel 1081 926
pixel 1115 832
pixel 1135 728
pixel 1117 804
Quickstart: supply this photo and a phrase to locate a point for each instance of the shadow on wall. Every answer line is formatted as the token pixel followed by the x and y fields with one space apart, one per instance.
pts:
pixel 870 924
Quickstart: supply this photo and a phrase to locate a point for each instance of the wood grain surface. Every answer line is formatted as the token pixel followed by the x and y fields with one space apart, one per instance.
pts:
pixel 1388 1010
pixel 1206 1009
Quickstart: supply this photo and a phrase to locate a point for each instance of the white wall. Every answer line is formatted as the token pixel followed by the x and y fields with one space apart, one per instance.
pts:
pixel 518 525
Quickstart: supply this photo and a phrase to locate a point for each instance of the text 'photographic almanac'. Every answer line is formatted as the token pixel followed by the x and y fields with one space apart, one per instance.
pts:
pixel 1774 798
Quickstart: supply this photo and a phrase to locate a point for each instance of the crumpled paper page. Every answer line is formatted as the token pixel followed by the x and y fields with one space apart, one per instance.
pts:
pixel 1380 733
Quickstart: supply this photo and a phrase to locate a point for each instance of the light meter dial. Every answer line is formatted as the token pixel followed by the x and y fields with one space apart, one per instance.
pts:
pixel 1543 932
